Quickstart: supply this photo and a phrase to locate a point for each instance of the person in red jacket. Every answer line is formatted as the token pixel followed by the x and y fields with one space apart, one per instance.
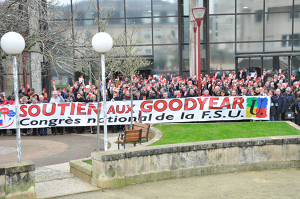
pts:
pixel 3 102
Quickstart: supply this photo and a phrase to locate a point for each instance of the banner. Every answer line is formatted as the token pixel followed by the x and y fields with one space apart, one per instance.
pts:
pixel 153 111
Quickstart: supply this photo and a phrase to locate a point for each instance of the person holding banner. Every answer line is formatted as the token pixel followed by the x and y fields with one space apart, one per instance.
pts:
pixel 3 101
pixel 272 108
pixel 290 102
pixel 43 131
pixel 56 99
pixel 280 104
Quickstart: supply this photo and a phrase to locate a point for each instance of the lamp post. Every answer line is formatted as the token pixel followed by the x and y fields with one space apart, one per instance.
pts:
pixel 13 44
pixel 102 43
pixel 194 23
pixel 199 13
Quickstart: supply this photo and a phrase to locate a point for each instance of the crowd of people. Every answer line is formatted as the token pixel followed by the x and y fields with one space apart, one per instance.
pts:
pixel 285 98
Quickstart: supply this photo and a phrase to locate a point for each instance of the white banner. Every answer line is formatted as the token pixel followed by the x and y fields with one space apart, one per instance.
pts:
pixel 153 111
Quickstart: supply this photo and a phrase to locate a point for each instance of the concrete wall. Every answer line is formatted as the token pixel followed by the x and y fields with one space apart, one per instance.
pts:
pixel 137 165
pixel 17 180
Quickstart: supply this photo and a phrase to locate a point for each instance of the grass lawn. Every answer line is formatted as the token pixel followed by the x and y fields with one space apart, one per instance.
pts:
pixel 88 162
pixel 182 133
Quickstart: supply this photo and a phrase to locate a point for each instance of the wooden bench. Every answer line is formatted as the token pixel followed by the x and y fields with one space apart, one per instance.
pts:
pixel 145 129
pixel 130 136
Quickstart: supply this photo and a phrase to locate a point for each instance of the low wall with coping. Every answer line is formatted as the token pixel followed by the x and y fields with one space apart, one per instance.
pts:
pixel 82 170
pixel 115 169
pixel 17 180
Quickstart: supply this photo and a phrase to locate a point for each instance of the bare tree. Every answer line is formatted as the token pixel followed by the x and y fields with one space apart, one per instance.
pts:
pixel 45 26
pixel 129 58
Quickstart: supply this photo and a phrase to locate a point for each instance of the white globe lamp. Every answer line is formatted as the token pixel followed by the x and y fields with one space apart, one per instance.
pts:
pixel 12 43
pixel 102 42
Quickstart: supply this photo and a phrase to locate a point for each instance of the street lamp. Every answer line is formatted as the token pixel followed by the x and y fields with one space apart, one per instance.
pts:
pixel 13 44
pixel 102 43
pixel 194 23
pixel 198 13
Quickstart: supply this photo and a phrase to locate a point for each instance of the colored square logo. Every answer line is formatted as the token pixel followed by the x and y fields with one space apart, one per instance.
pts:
pixel 261 113
pixel 249 114
pixel 252 101
pixel 262 102
pixel 257 107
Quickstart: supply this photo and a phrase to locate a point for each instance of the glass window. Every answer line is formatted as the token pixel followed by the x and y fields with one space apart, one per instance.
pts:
pixel 295 65
pixel 186 30
pixel 287 40
pixel 222 56
pixel 297 26
pixel 84 9
pixel 62 10
pixel 186 58
pixel 165 30
pixel 243 64
pixel 84 29
pixel 222 28
pixel 115 27
pixel 278 46
pixel 138 8
pixel 165 8
pixel 221 6
pixel 246 6
pixel 273 64
pixel 272 30
pixel 259 16
pixel 144 50
pixel 248 29
pixel 107 6
pixel 279 6
pixel 296 15
pixel 249 47
pixel 144 29
pixel 166 58
pixel 297 5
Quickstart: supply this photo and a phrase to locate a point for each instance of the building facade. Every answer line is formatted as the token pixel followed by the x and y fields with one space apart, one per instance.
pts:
pixel 248 35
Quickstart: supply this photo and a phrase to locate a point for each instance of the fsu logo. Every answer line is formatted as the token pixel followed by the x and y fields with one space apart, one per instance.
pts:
pixel 257 107
pixel 6 117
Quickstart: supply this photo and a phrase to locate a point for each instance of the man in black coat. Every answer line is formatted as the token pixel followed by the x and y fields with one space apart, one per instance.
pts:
pixel 290 100
pixel 280 105
pixel 297 110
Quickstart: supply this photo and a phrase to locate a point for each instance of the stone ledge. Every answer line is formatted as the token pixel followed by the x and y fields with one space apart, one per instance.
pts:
pixel 81 166
pixel 194 146
pixel 197 171
pixel 16 167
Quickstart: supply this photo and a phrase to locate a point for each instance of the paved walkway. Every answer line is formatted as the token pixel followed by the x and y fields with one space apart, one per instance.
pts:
pixel 56 180
pixel 51 155
pixel 273 184
pixel 49 150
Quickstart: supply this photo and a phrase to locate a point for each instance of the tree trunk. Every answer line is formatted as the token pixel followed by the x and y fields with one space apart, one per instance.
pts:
pixel 131 105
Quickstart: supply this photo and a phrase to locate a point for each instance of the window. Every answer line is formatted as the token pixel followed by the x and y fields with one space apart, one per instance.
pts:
pixel 147 34
pixel 259 16
pixel 173 34
pixel 296 37
pixel 288 41
pixel 148 51
pixel 157 34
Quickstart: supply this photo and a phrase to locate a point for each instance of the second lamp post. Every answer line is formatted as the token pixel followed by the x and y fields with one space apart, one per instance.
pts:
pixel 102 43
